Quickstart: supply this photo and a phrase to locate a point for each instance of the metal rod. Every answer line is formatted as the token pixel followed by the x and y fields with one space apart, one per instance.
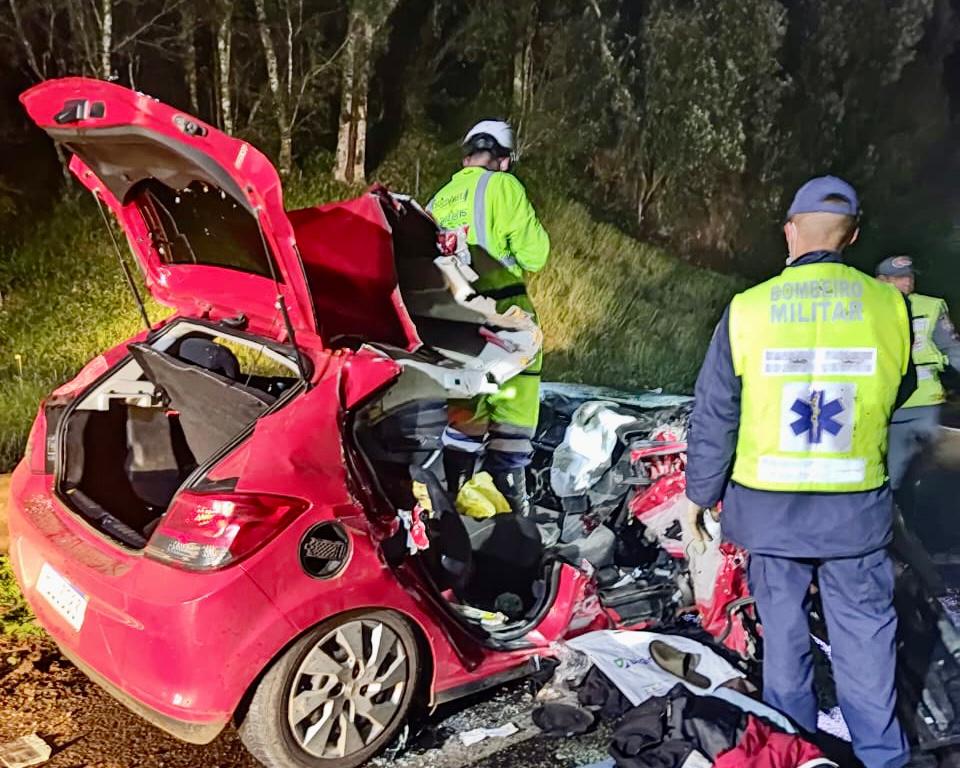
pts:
pixel 123 265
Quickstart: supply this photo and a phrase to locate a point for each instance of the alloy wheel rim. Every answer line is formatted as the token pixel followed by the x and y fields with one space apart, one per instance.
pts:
pixel 348 689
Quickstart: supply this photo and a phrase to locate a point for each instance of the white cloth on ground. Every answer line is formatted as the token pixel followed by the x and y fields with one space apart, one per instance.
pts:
pixel 624 657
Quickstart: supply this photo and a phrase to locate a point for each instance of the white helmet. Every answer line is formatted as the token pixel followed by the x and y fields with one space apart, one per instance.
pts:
pixel 494 136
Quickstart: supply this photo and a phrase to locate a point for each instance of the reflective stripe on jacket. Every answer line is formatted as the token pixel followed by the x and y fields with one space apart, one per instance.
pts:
pixel 505 235
pixel 930 362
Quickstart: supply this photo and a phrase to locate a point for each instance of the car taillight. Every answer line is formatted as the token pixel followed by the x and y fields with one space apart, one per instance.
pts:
pixel 205 531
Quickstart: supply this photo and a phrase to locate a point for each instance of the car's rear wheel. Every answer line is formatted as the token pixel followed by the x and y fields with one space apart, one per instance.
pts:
pixel 337 696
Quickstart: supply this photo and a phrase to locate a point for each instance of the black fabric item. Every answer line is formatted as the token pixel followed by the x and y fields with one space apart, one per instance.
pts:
pixel 458 467
pixel 213 410
pixel 668 754
pixel 648 734
pixel 711 724
pixel 507 292
pixel 597 691
pixel 563 720
pixel 641 733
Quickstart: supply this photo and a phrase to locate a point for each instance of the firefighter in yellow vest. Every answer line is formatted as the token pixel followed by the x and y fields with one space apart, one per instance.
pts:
pixel 789 431
pixel 488 206
pixel 935 346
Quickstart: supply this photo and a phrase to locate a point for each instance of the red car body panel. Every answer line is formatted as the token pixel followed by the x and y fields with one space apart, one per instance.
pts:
pixel 183 648
pixel 354 273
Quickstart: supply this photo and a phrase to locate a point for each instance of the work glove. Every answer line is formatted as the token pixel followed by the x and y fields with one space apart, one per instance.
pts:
pixel 697 524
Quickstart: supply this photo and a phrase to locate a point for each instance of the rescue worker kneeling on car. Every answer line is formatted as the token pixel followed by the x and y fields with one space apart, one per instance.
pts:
pixel 485 204
pixel 789 430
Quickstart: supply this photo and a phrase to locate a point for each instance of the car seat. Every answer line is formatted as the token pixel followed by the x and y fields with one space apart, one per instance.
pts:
pixel 211 356
pixel 507 555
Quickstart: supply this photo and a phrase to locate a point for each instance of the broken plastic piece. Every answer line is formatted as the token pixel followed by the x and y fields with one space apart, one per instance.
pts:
pixel 24 752
pixel 476 735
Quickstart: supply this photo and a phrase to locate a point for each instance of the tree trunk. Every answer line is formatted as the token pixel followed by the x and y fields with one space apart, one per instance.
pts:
pixel 523 75
pixel 279 98
pixel 224 35
pixel 106 38
pixel 32 60
pixel 343 169
pixel 518 70
pixel 361 93
pixel 188 18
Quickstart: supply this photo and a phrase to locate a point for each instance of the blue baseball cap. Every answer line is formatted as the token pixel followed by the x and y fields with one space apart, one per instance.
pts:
pixel 896 266
pixel 825 194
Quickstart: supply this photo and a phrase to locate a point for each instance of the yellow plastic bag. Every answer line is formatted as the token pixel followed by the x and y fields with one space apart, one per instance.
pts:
pixel 480 499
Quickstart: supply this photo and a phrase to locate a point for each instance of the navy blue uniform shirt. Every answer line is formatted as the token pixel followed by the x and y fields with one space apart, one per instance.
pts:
pixel 818 525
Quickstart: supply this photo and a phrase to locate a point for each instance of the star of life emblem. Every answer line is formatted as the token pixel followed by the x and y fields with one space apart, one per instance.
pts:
pixel 817 417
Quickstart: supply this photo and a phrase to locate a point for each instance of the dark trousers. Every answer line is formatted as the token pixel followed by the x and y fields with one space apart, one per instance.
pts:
pixel 857 596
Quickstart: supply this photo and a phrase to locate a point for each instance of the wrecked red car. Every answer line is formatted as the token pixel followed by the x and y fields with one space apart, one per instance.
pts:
pixel 239 515
pixel 214 519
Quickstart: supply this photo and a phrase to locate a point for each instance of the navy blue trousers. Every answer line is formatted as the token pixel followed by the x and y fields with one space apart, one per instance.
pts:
pixel 857 596
pixel 911 431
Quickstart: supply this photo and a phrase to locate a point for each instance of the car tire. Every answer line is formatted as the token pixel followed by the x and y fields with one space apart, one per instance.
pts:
pixel 337 696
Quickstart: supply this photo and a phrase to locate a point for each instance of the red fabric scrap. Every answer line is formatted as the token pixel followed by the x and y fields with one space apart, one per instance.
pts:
pixel 762 746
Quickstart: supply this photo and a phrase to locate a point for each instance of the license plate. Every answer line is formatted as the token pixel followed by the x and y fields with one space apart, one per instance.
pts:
pixel 63 597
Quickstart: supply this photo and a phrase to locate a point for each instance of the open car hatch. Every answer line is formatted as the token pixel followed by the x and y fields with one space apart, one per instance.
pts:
pixel 204 216
pixel 380 284
pixel 203 212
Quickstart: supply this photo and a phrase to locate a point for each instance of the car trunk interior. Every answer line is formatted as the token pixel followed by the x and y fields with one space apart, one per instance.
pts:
pixel 136 436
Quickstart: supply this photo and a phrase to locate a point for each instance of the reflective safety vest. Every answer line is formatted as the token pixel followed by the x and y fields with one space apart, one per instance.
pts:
pixel 820 350
pixel 488 205
pixel 926 311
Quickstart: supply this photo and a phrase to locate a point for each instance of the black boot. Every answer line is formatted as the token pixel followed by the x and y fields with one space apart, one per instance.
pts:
pixel 458 467
pixel 512 483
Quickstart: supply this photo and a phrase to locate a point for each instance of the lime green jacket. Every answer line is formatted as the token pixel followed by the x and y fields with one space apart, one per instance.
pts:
pixel 500 220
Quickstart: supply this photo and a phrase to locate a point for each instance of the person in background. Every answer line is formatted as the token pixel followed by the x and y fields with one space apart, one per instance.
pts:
pixel 935 345
pixel 488 205
pixel 789 431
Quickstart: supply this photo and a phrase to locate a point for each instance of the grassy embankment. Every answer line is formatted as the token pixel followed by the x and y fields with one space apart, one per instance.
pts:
pixel 616 312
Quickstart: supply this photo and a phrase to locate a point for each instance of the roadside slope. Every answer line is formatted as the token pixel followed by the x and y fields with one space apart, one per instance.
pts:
pixel 615 311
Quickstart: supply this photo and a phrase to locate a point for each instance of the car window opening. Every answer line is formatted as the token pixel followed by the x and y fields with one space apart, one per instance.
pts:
pixel 203 225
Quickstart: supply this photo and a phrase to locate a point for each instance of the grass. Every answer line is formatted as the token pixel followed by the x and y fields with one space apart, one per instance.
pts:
pixel 64 301
pixel 621 313
pixel 615 311
pixel 15 617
